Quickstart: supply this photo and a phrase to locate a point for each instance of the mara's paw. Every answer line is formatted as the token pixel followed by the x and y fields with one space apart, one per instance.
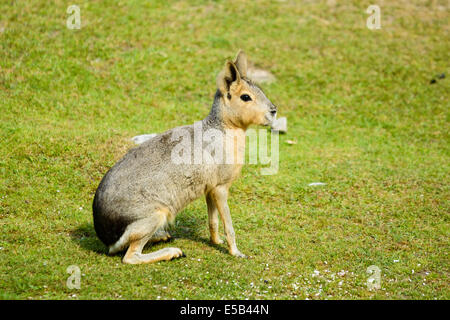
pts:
pixel 173 253
pixel 161 236
pixel 238 254
pixel 217 241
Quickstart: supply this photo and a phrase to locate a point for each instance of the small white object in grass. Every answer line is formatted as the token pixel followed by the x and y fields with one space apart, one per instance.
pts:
pixel 280 125
pixel 291 142
pixel 143 137
pixel 316 184
pixel 395 261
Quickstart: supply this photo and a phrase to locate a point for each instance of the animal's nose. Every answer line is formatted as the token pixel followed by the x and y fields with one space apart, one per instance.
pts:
pixel 273 112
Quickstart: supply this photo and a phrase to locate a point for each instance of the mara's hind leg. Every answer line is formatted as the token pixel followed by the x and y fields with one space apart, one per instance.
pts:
pixel 134 253
pixel 140 233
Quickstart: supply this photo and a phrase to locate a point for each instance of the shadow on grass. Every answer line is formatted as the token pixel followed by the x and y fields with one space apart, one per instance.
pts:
pixel 189 226
pixel 186 227
pixel 85 236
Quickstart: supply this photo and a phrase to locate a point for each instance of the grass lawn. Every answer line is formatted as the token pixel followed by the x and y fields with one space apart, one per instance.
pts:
pixel 360 106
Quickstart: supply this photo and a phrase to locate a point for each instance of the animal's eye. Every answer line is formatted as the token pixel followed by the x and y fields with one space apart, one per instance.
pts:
pixel 246 97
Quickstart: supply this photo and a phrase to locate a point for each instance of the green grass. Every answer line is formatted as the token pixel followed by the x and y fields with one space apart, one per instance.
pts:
pixel 359 104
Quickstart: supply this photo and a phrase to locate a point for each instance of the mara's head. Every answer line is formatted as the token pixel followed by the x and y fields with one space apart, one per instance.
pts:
pixel 244 103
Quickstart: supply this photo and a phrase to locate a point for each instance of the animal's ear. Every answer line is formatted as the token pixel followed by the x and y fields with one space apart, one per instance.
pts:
pixel 227 77
pixel 241 63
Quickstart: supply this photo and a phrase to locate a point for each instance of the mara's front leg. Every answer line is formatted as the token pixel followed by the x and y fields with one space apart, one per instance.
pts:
pixel 213 220
pixel 219 196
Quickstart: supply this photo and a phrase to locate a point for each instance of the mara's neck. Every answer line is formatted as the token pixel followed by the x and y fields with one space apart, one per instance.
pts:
pixel 214 118
pixel 233 134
